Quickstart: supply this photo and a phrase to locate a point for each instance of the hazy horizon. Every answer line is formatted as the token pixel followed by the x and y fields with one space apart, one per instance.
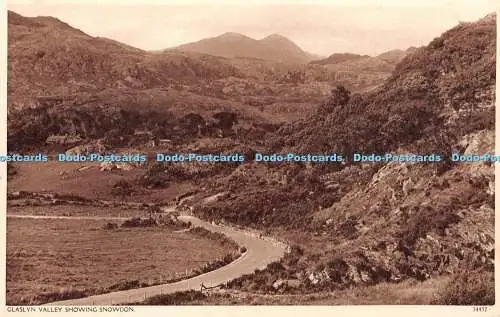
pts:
pixel 362 29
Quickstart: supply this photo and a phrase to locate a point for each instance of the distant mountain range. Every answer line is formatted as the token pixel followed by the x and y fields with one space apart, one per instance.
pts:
pixel 338 58
pixel 395 56
pixel 274 47
pixel 391 57
pixel 48 57
pixel 278 48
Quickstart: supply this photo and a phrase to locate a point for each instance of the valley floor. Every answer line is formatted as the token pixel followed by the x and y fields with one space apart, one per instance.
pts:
pixel 52 258
pixel 85 180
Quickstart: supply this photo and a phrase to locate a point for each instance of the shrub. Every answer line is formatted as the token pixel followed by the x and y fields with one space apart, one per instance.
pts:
pixel 427 219
pixel 124 285
pixel 469 288
pixel 122 188
pixel 174 299
pixel 63 294
pixel 138 222
pixel 110 226
pixel 156 181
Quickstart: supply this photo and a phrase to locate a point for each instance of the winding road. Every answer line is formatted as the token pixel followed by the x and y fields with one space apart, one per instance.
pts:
pixel 260 252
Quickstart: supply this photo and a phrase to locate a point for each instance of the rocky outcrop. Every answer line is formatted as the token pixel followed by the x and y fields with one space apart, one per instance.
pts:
pixel 95 147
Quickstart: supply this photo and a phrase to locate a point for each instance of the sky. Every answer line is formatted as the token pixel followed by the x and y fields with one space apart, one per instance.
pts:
pixel 363 27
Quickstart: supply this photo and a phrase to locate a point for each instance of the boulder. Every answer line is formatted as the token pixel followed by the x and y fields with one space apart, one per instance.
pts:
pixel 107 166
pixel 278 284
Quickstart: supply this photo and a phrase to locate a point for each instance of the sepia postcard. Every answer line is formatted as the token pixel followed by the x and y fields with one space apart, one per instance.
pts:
pixel 247 158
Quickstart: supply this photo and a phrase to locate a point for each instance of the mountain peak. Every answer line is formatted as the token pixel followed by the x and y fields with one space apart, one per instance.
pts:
pixel 275 36
pixel 233 35
pixel 489 17
pixel 274 47
pixel 280 43
pixel 17 19
pixel 277 39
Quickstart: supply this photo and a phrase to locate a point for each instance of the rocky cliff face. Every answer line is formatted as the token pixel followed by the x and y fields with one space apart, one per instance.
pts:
pixel 409 221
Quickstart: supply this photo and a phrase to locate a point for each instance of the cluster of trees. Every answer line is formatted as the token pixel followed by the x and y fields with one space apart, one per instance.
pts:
pixel 32 126
pixel 294 77
pixel 221 124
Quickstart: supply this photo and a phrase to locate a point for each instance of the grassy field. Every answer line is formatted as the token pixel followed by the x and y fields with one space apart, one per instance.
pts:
pixel 90 182
pixel 53 259
pixel 75 210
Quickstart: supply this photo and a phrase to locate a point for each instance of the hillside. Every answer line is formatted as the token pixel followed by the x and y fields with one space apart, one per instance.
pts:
pixel 271 48
pixel 54 65
pixel 350 225
pixel 359 73
pixel 391 57
pixel 440 84
pixel 338 58
pixel 50 60
pixel 383 222
pixel 55 68
pixel 385 62
pixel 395 56
pixel 49 57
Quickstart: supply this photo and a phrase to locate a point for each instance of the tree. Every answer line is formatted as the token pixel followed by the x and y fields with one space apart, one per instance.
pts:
pixel 340 96
pixel 193 123
pixel 113 137
pixel 225 119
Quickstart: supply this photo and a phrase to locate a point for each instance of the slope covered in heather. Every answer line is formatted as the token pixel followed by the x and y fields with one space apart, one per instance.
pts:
pixel 446 86
pixel 384 222
pixel 49 57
